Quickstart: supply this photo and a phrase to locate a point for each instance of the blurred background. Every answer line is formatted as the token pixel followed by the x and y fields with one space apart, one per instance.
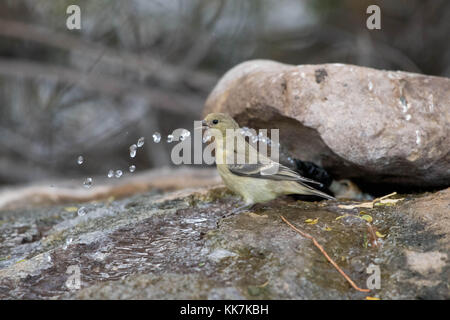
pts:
pixel 142 66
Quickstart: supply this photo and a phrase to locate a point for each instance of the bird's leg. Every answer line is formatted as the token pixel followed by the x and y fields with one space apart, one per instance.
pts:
pixel 240 209
pixel 243 208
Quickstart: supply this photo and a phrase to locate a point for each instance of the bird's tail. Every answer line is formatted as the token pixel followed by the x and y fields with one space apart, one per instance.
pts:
pixel 306 189
pixel 322 194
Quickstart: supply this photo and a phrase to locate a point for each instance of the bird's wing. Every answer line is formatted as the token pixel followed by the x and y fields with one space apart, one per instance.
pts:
pixel 264 171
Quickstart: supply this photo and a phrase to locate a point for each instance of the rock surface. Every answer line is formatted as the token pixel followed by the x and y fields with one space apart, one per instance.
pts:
pixel 371 126
pixel 176 245
pixel 164 179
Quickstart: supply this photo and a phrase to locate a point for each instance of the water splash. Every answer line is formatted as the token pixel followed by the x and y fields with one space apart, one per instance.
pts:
pixel 418 139
pixel 404 104
pixel 206 137
pixel 110 173
pixel 80 160
pixel 169 138
pixel 132 168
pixel 156 137
pixel 118 173
pixel 245 131
pixel 431 102
pixel 87 183
pixel 133 149
pixel 184 134
pixel 140 142
pixel 68 242
pixel 81 211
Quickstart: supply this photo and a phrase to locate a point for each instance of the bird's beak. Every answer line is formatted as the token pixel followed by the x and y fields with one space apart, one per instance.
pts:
pixel 203 126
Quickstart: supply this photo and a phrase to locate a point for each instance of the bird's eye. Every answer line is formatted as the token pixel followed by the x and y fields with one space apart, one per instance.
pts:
pixel 215 121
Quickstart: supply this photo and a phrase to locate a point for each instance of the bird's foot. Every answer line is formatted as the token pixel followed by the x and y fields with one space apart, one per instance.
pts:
pixel 237 210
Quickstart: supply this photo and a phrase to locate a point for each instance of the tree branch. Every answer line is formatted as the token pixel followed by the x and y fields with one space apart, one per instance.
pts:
pixel 105 84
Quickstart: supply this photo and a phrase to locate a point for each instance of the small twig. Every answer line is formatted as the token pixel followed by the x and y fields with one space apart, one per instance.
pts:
pixel 373 235
pixel 385 197
pixel 306 235
pixel 367 204
pixel 108 85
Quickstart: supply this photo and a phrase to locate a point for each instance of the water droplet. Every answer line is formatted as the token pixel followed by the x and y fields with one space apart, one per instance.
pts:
pixel 408 117
pixel 184 134
pixel 81 211
pixel 110 173
pixel 49 258
pixel 206 138
pixel 431 102
pixel 133 149
pixel 403 100
pixel 156 137
pixel 370 85
pixel 69 241
pixel 87 183
pixel 169 138
pixel 392 75
pixel 80 160
pixel 140 142
pixel 417 137
pixel 404 104
pixel 245 131
pixel 119 173
pixel 132 168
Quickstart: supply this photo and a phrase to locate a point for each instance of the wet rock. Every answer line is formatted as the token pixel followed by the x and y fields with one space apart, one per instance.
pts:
pixel 220 254
pixel 372 126
pixel 176 245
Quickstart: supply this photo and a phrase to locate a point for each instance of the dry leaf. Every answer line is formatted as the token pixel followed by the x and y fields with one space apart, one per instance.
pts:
pixel 388 202
pixel 367 217
pixel 377 202
pixel 380 235
pixel 312 221
pixel 358 205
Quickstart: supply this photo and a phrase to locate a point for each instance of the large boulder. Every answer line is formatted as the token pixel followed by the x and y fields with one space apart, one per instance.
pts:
pixel 373 126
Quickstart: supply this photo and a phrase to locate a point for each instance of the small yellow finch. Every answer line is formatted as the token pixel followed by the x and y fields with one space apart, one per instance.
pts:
pixel 249 179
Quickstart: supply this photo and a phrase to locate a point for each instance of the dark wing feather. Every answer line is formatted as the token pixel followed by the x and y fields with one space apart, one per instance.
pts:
pixel 258 170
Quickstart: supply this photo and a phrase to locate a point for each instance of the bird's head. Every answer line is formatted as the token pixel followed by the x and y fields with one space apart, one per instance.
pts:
pixel 220 121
